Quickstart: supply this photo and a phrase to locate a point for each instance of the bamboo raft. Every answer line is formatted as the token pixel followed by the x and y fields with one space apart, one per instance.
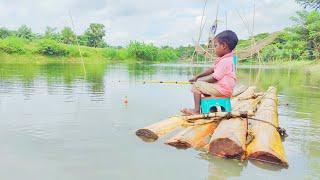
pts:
pixel 250 131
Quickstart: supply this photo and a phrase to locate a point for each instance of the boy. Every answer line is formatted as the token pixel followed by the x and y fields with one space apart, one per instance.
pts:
pixel 220 79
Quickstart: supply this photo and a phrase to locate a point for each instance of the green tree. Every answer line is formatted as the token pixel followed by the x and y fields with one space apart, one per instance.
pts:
pixel 314 4
pixel 68 36
pixel 308 25
pixel 51 33
pixel 94 35
pixel 4 32
pixel 299 42
pixel 25 32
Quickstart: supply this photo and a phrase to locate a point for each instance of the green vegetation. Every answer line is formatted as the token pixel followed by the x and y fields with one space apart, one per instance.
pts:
pixel 300 42
pixel 63 46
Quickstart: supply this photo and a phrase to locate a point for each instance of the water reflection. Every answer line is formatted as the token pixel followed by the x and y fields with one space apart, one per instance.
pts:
pixel 223 168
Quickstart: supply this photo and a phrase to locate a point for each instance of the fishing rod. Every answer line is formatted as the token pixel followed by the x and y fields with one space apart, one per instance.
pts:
pixel 159 82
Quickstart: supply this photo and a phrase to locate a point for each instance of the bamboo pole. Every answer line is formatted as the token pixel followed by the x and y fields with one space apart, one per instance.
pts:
pixel 78 45
pixel 267 145
pixel 229 138
pixel 193 136
pixel 157 130
pixel 238 89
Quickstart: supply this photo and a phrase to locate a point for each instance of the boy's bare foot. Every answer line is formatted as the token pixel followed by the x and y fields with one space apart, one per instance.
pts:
pixel 189 111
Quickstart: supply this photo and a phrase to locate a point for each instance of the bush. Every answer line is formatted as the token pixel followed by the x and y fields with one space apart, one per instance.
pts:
pixel 143 51
pixel 12 45
pixel 111 53
pixel 167 54
pixel 52 48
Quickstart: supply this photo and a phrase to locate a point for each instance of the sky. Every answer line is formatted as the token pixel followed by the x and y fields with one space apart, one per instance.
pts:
pixel 164 22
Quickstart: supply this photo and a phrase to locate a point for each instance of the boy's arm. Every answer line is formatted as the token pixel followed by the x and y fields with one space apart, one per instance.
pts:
pixel 209 79
pixel 205 73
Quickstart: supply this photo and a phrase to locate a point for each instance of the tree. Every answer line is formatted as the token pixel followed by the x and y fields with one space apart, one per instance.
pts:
pixel 68 36
pixel 94 35
pixel 4 32
pixel 308 27
pixel 51 33
pixel 314 4
pixel 25 32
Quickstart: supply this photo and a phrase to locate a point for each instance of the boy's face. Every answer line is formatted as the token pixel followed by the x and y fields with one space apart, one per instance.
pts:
pixel 220 48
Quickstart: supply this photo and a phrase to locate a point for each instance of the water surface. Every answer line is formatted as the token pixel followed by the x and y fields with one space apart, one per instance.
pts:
pixel 57 122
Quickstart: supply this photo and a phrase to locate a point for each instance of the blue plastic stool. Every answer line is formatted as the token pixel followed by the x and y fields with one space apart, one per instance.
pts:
pixel 208 103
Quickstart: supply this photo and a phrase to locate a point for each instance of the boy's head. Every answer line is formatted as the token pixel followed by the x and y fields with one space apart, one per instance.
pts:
pixel 225 42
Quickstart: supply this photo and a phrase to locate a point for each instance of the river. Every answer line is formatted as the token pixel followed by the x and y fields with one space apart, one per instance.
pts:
pixel 57 122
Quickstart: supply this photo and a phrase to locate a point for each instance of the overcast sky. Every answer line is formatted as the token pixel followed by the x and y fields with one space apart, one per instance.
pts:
pixel 162 22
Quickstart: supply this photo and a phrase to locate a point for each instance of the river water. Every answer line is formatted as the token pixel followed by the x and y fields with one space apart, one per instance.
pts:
pixel 57 122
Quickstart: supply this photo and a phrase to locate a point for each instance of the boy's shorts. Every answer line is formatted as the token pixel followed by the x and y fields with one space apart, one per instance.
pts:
pixel 205 88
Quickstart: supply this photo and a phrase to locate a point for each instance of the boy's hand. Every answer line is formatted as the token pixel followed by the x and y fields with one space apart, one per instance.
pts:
pixel 193 79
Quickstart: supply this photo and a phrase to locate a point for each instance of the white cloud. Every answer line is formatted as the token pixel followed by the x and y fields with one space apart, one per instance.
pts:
pixel 161 22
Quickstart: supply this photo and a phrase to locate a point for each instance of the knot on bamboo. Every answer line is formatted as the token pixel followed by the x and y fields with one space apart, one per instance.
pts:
pixel 229 115
pixel 282 132
pixel 244 114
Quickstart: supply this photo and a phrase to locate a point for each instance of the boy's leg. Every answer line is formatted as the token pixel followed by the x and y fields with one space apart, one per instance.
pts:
pixel 197 99
pixel 208 89
pixel 198 89
pixel 196 110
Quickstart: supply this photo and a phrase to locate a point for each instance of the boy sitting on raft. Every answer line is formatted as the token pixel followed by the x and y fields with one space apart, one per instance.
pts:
pixel 220 79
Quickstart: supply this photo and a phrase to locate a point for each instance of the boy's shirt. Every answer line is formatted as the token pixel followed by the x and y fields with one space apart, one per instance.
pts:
pixel 224 73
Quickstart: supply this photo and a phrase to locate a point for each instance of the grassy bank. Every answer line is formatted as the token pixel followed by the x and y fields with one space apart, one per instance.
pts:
pixel 47 50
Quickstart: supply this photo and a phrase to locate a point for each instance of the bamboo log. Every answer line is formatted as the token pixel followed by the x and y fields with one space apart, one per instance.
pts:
pixel 157 130
pixel 229 138
pixel 247 94
pixel 267 145
pixel 193 136
pixel 238 89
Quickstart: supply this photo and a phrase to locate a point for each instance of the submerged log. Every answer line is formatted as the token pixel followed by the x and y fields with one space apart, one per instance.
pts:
pixel 267 145
pixel 229 138
pixel 154 131
pixel 193 136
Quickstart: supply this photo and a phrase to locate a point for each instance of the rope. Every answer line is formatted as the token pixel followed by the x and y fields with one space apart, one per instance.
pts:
pixel 243 116
pixel 280 130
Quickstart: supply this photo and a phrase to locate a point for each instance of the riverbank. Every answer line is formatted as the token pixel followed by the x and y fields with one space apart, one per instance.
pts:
pixel 40 59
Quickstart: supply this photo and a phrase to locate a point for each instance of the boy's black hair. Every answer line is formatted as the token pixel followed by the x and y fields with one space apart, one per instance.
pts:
pixel 228 37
